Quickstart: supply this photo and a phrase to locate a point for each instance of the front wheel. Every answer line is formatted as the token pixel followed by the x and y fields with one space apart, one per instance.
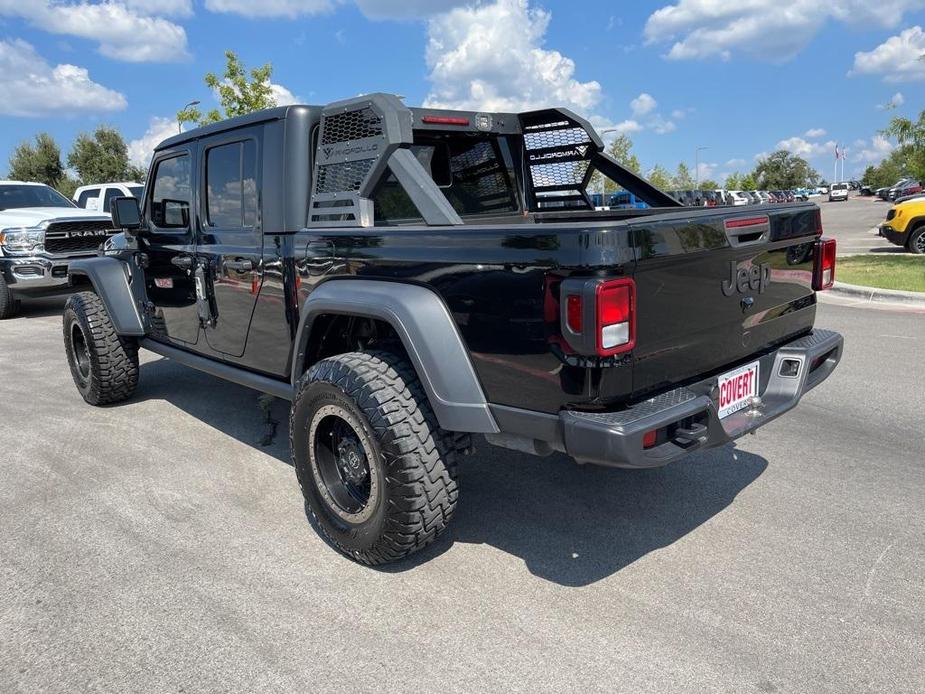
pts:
pixel 916 243
pixel 377 472
pixel 104 364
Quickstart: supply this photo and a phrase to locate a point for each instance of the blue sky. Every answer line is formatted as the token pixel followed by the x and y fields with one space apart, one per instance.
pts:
pixel 741 79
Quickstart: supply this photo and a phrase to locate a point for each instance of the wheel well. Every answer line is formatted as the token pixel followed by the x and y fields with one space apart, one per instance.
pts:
pixel 336 334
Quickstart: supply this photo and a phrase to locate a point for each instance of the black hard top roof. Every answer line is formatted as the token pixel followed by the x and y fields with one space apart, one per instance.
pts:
pixel 263 116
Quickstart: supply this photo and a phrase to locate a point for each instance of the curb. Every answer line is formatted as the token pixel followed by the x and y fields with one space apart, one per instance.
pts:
pixel 873 295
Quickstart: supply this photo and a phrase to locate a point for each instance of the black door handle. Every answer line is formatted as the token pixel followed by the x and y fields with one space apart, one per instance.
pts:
pixel 240 265
pixel 184 262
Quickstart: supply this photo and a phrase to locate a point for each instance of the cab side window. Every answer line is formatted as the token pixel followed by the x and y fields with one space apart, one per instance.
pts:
pixel 231 185
pixel 171 193
pixel 86 195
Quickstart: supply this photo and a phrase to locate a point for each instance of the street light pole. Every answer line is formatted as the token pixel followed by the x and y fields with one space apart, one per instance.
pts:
pixel 179 124
pixel 697 167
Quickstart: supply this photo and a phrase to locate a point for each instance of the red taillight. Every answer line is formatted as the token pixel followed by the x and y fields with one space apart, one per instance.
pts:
pixel 616 317
pixel 649 439
pixel 596 317
pixel 573 313
pixel 824 268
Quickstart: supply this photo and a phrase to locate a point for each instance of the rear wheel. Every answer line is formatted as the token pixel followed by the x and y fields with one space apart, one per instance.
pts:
pixel 8 303
pixel 916 242
pixel 104 365
pixel 377 472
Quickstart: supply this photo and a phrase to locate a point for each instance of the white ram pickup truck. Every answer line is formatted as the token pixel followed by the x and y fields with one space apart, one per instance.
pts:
pixel 40 232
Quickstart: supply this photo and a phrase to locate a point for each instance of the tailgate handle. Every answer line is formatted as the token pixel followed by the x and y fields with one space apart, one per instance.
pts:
pixel 744 231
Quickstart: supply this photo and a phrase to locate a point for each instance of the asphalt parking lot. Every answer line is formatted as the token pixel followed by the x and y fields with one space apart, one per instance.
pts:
pixel 158 546
pixel 853 223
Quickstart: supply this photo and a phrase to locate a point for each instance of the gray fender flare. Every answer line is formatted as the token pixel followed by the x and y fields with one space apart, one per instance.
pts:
pixel 429 335
pixel 111 280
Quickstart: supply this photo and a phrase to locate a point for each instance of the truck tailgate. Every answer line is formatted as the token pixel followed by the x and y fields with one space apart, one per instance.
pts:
pixel 714 289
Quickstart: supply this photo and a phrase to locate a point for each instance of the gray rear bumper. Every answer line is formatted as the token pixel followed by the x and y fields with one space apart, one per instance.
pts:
pixel 687 417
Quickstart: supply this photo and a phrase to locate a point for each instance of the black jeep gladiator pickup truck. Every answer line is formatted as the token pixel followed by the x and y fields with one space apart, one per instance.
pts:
pixel 409 277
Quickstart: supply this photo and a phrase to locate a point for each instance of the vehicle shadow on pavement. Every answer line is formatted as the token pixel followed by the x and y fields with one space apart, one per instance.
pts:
pixel 234 410
pixel 571 524
pixel 41 308
pixel 575 525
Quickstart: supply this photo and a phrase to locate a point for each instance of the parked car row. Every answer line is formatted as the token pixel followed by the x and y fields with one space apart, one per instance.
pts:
pixel 736 198
pixel 903 188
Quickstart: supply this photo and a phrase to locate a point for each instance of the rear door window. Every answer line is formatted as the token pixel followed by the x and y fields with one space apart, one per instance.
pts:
pixel 231 185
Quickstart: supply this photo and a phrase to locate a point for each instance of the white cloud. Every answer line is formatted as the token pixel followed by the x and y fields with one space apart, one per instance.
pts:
pixel 122 31
pixel 763 29
pixel 283 96
pixel 29 86
pixel 895 101
pixel 735 163
pixel 622 128
pixel 706 171
pixel 492 57
pixel 643 104
pixel 373 9
pixel 678 113
pixel 270 8
pixel 873 151
pixel 814 132
pixel 169 8
pixel 159 129
pixel 406 9
pixel 803 148
pixel 661 126
pixel 898 59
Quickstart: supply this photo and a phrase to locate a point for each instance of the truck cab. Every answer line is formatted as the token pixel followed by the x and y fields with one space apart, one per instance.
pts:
pixel 99 197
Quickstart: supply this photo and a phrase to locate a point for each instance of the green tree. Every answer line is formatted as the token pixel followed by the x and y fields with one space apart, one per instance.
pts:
pixel 709 184
pixel 67 186
pixel 660 177
pixel 911 136
pixel 782 170
pixel 102 157
pixel 239 90
pixel 620 149
pixel 900 163
pixel 734 181
pixel 747 182
pixel 683 179
pixel 39 162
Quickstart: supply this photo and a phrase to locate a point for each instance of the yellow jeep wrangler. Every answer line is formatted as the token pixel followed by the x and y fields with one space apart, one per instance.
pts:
pixel 905 225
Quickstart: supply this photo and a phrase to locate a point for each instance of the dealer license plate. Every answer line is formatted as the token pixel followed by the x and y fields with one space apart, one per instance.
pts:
pixel 736 388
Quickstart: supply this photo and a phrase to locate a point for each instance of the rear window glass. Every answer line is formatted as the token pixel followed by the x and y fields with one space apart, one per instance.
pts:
pixel 474 173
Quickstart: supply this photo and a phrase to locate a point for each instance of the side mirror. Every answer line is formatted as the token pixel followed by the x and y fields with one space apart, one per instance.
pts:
pixel 126 213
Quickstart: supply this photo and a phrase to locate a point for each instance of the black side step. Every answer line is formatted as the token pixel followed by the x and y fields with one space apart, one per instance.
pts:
pixel 264 384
